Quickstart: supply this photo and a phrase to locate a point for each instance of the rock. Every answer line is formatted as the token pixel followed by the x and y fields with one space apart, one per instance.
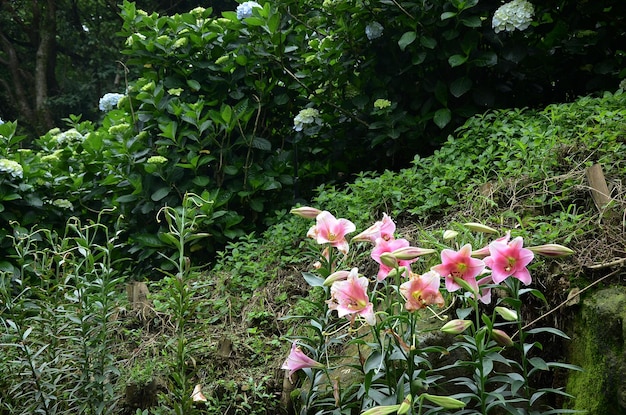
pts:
pixel 598 347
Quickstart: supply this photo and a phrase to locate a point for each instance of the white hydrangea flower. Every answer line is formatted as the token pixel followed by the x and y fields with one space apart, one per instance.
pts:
pixel 516 14
pixel 306 116
pixel 11 167
pixel 374 30
pixel 1 122
pixel 244 10
pixel 109 101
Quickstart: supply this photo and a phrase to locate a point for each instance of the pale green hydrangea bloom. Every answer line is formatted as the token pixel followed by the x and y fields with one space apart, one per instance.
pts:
pixel 54 157
pixel 198 11
pixel 180 42
pixel 119 129
pixel 514 15
pixel 63 204
pixel 11 167
pixel 69 136
pixel 306 116
pixel 157 160
pixel 175 91
pixel 382 103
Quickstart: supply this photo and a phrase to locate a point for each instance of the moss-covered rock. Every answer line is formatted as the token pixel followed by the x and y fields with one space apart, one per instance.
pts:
pixel 598 347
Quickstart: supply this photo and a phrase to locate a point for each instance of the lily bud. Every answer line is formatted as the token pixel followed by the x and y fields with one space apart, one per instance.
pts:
pixel 551 250
pixel 406 405
pixel 410 252
pixel 444 401
pixel 456 326
pixel 501 338
pixel 479 227
pixel 449 234
pixel 396 271
pixel 381 410
pixel 306 212
pixel 506 313
pixel 387 258
pixel 335 276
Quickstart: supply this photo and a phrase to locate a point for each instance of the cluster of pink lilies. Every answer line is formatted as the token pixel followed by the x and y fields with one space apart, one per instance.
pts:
pixel 501 259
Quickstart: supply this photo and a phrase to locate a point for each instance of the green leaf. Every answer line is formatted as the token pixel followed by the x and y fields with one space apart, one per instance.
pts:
pixel 447 15
pixel 193 84
pixel 460 86
pixel 457 60
pixel 160 193
pixel 428 42
pixel 256 205
pixel 373 362
pixel 442 117
pixel 538 363
pixel 406 39
pixel 472 21
pixel 486 59
pixel 226 113
pixel 148 240
pixel 261 144
pixel 313 280
pixel 550 330
pixel 127 198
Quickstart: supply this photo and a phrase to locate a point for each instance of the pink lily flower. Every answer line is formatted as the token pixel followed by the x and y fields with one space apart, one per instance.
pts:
pixel 422 290
pixel 349 297
pixel 330 230
pixel 484 293
pixel 298 360
pixel 509 260
pixel 484 251
pixel 459 265
pixel 384 228
pixel 382 246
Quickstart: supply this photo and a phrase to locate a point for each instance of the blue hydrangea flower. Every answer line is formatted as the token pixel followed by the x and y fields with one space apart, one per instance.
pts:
pixel 244 10
pixel 109 101
pixel 374 30
pixel 514 15
pixel 1 122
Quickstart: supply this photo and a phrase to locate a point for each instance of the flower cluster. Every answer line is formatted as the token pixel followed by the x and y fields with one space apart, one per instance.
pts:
pixel 69 136
pixel 244 10
pixel 109 101
pixel 306 116
pixel 390 301
pixel 156 160
pixel 63 204
pixel 374 30
pixel 516 14
pixel 381 104
pixel 11 167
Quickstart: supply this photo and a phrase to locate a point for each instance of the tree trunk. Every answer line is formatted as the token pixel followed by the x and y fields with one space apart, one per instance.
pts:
pixel 29 91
